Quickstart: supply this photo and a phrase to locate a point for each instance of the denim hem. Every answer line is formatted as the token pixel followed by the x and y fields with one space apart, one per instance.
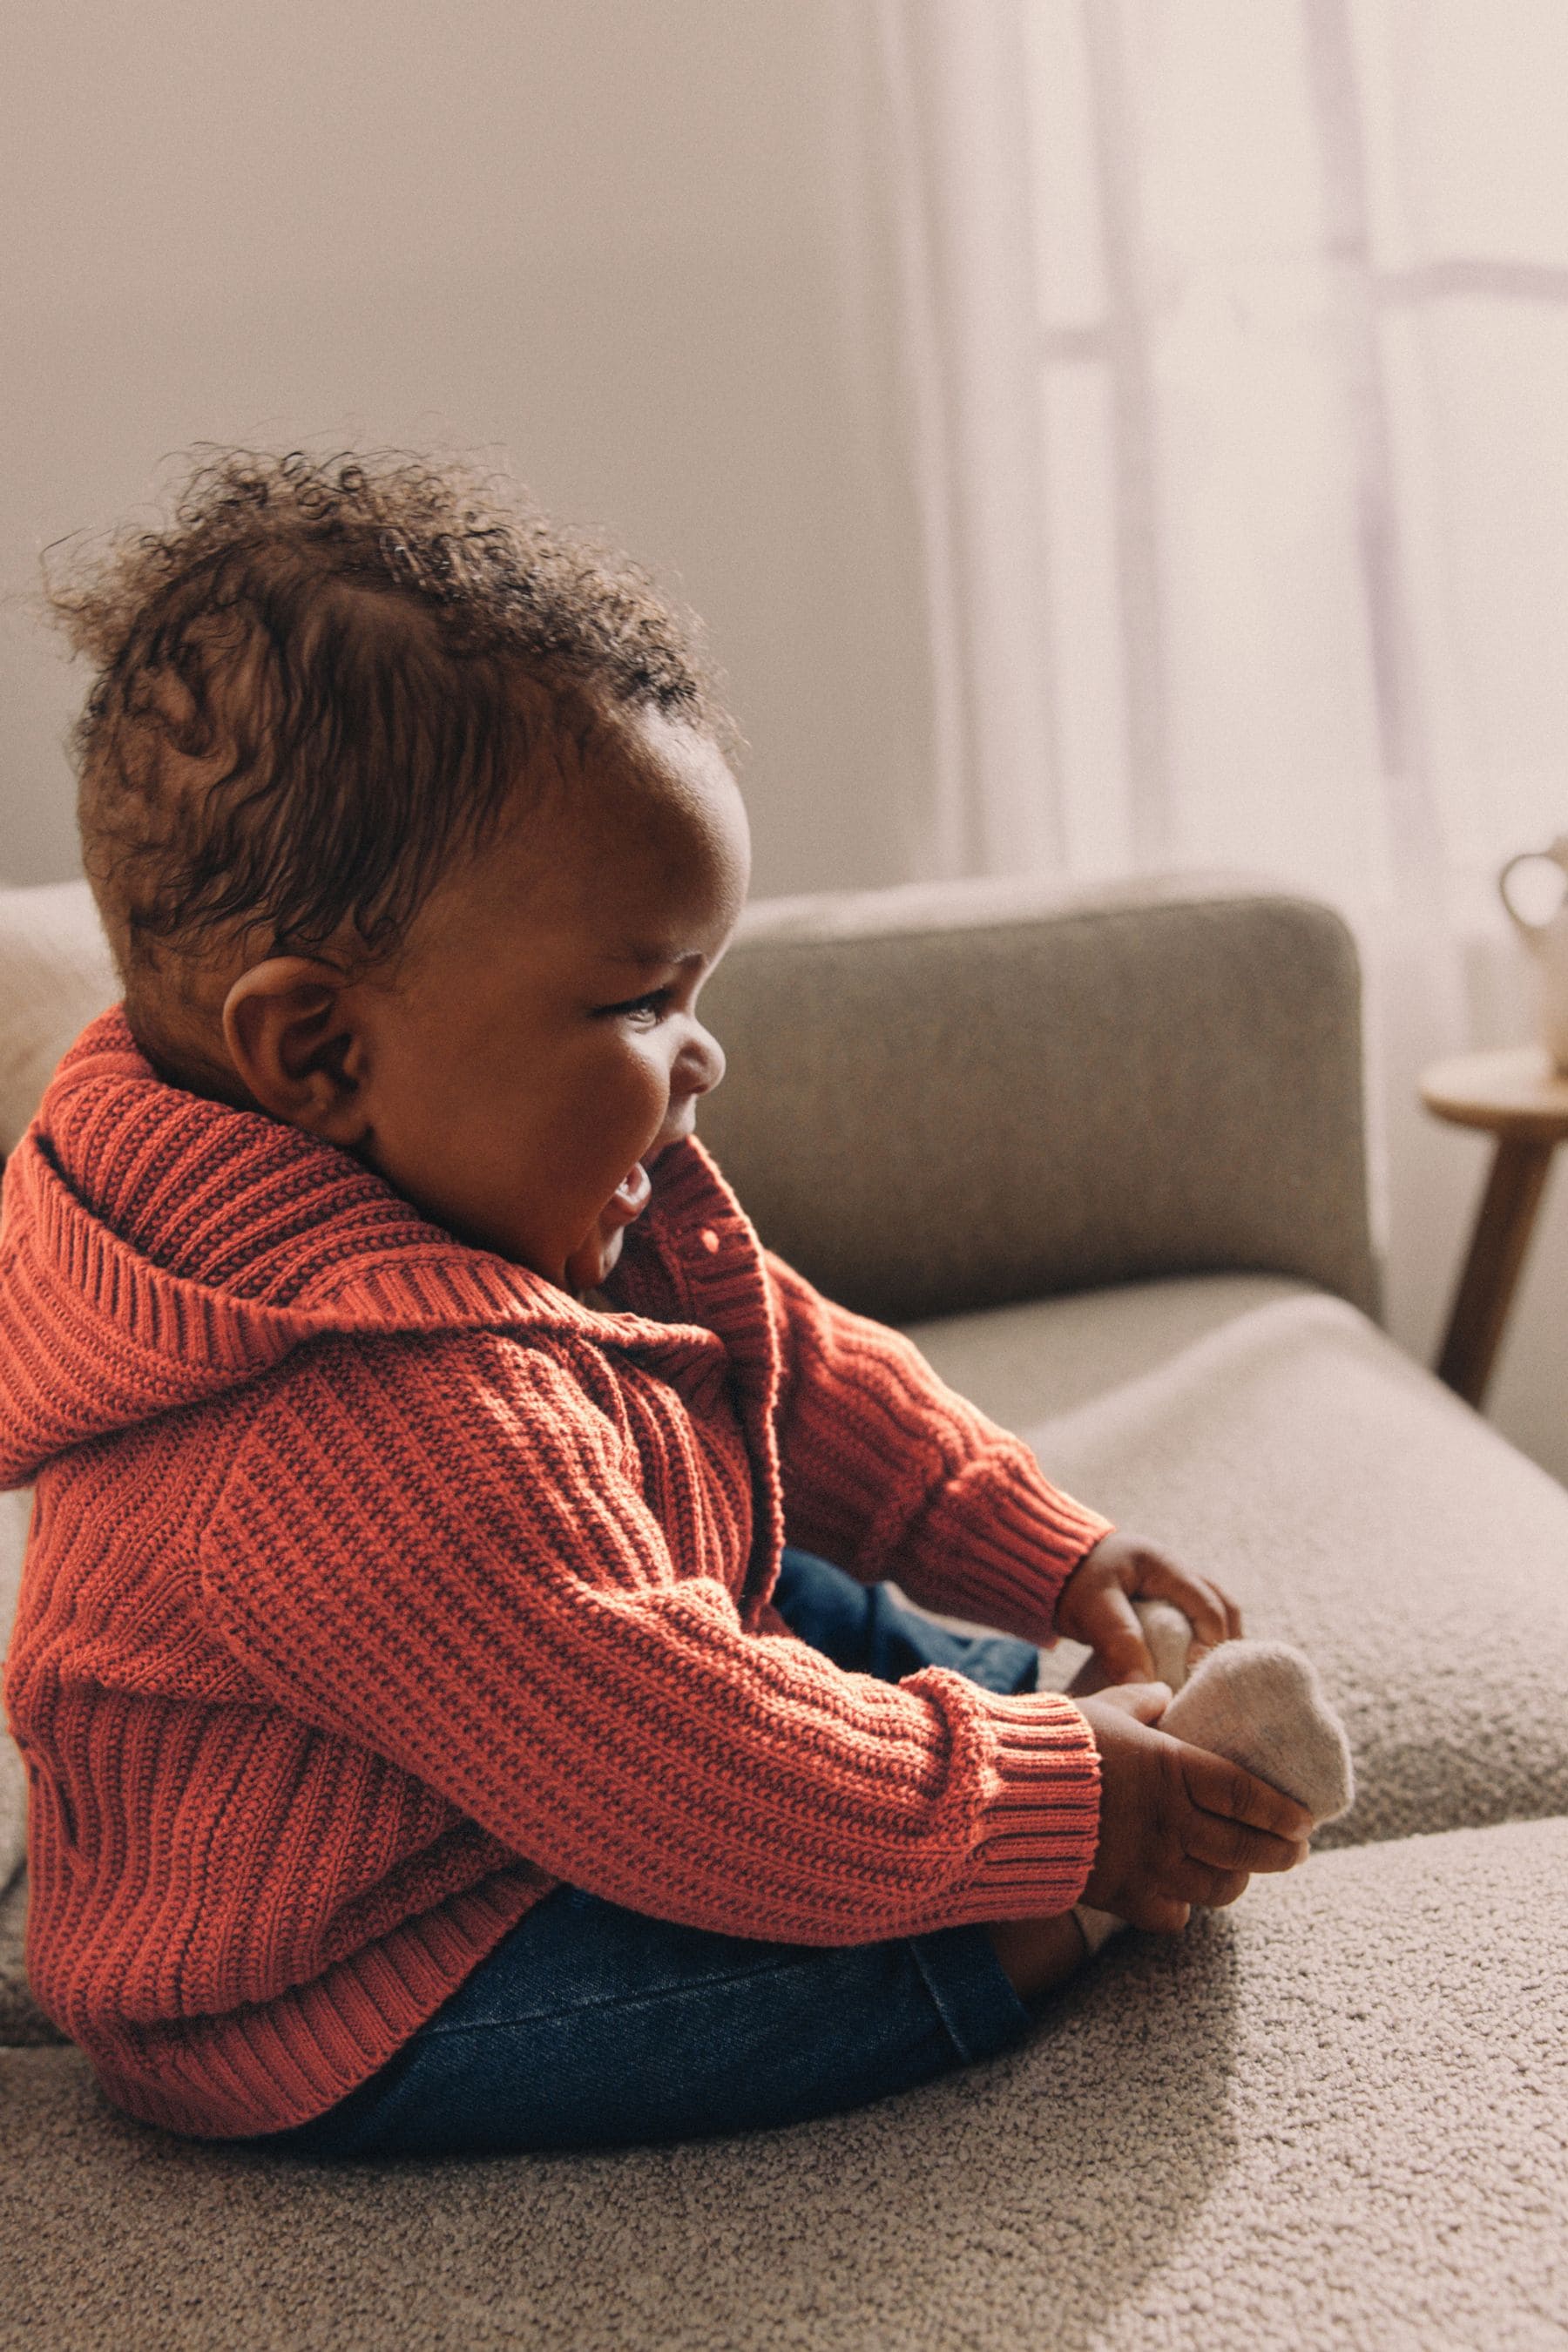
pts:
pixel 971 1991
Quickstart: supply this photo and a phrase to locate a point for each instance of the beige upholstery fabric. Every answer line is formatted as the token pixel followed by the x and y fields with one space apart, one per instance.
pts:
pixel 1330 2120
pixel 15 1511
pixel 1040 1358
pixel 1352 1505
pixel 55 977
pixel 21 2018
pixel 944 1098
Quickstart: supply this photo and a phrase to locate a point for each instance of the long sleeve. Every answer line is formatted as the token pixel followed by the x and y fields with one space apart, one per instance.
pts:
pixel 889 1474
pixel 440 1549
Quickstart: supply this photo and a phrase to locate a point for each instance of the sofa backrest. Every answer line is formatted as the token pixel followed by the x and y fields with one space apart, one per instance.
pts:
pixel 951 1097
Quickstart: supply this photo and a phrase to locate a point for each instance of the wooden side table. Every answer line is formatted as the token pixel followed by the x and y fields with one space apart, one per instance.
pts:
pixel 1518 1097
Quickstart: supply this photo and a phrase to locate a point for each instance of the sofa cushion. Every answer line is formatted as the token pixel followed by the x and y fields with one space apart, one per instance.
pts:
pixel 1333 2115
pixel 1037 1361
pixel 1352 1504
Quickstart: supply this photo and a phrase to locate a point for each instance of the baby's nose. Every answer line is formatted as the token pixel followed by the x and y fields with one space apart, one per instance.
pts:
pixel 704 1064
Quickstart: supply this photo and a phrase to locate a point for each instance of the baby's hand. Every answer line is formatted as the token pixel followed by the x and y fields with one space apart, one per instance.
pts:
pixel 1177 1826
pixel 1095 1605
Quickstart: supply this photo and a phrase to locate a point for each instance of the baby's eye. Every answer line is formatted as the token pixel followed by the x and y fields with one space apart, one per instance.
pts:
pixel 650 1007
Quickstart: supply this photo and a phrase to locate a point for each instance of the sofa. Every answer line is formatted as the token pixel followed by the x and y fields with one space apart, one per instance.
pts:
pixel 1102 1153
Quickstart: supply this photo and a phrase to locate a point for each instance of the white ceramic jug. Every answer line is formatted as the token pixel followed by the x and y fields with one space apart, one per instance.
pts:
pixel 1545 934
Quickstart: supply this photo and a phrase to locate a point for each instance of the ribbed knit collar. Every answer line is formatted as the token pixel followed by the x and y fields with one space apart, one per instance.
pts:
pixel 158 1248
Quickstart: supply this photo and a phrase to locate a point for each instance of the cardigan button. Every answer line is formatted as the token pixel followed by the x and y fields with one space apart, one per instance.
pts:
pixel 709 1239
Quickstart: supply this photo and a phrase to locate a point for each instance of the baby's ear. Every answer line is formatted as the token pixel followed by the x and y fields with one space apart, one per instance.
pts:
pixel 293 1033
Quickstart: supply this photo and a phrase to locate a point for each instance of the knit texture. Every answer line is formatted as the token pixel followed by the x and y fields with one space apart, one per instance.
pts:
pixel 377 1586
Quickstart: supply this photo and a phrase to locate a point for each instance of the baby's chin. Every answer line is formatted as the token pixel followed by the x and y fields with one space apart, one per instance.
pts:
pixel 595 1257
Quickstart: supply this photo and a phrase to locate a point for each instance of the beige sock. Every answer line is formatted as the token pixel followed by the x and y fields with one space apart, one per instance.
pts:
pixel 1259 1703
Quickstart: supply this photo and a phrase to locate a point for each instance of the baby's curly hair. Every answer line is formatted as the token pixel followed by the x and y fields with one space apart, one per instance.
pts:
pixel 321 683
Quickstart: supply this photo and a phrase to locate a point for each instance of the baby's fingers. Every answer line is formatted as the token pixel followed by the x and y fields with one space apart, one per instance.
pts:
pixel 1108 1623
pixel 1229 1847
pixel 1211 1890
pixel 1212 1614
pixel 1218 1786
pixel 1228 1887
pixel 1158 1914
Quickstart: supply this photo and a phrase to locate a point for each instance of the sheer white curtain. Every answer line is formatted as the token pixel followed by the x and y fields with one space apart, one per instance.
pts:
pixel 1233 336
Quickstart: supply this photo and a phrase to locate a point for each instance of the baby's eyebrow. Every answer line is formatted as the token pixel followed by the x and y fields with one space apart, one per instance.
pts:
pixel 647 958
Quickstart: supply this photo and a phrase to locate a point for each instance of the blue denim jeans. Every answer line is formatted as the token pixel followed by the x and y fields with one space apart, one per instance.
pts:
pixel 591 2026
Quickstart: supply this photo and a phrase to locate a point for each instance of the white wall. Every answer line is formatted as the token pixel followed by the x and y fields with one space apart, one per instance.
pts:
pixel 596 238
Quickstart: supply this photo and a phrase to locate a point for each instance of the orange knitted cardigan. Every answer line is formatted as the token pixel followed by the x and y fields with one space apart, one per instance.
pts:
pixel 377 1586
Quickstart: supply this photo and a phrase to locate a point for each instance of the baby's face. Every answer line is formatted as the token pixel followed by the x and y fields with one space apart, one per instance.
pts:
pixel 539 1043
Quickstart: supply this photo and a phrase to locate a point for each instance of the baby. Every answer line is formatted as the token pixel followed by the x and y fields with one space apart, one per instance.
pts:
pixel 461 1701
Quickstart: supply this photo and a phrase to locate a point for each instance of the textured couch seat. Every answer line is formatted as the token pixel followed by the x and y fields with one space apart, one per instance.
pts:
pixel 1351 1504
pixel 1331 2116
pixel 1103 1157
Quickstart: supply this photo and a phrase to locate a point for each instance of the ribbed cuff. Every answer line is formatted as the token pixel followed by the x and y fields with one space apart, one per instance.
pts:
pixel 1042 1822
pixel 997 1549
